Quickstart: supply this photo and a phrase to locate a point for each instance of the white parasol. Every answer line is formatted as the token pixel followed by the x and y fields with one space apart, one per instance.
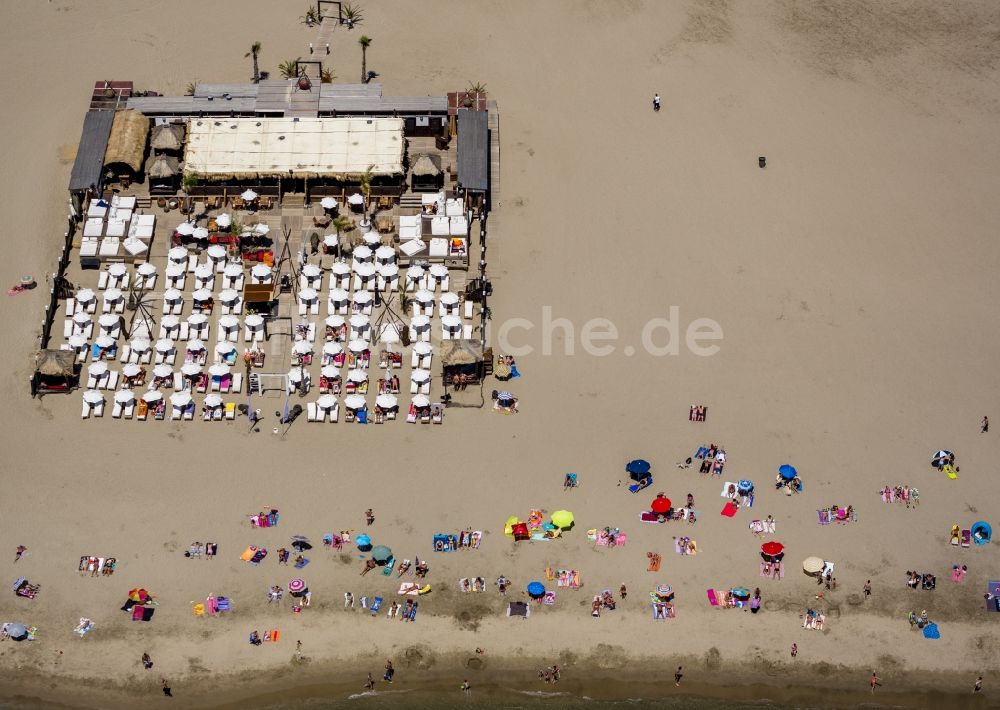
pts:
pixel 109 320
pixel 193 346
pixel 249 195
pixel 185 229
pixel 354 401
pixel 131 369
pixel 117 270
pixel 229 295
pixel 328 203
pixel 163 371
pixel 357 376
pixel 180 399
pixel 219 369
pixel 98 368
pixel 93 397
pixel 85 295
pixel 326 401
pixel 421 400
pixel 213 400
pixel 332 347
pixel 420 375
pixel 124 396
pixel 357 346
pixel 386 401
pixel 224 220
pixel 190 369
pixel 335 321
pixel 151 396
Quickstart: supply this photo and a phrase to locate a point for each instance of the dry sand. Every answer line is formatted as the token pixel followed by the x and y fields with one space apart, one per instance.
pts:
pixel 853 279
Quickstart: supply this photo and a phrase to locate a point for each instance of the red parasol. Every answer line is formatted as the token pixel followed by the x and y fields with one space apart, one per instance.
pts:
pixel 772 548
pixel 660 505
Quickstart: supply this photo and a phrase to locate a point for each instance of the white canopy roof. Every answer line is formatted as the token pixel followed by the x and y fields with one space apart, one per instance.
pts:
pixel 310 147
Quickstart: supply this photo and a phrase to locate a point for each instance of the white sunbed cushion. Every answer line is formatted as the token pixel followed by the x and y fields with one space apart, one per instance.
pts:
pixel 439 247
pixel 412 247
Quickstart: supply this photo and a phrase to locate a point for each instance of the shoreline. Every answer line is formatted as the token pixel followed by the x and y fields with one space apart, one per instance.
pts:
pixel 301 681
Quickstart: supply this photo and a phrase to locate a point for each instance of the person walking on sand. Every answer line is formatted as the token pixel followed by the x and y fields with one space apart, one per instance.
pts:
pixel 389 672
pixel 465 686
pixel 166 688
pixel 623 591
pixel 795 650
pixel 369 516
pixel 19 552
pixel 147 662
pixel 986 425
pixel 874 681
pixel 677 676
pixel 868 589
pixel 656 102
pixel 370 683
pixel 978 688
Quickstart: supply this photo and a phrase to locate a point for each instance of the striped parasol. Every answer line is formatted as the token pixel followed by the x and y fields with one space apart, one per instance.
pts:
pixel 296 585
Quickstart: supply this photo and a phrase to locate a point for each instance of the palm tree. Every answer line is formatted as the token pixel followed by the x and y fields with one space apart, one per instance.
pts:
pixel 351 15
pixel 366 187
pixel 254 51
pixel 340 224
pixel 289 68
pixel 364 41
pixel 327 76
pixel 477 87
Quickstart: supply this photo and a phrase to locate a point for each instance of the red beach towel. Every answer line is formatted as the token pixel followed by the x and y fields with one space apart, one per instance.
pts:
pixel 730 510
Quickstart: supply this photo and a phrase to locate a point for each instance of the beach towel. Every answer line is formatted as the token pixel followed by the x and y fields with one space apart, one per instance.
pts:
pixel 518 609
pixel 950 471
pixel 966 538
pixel 647 516
pixel 769 527
pixel 248 553
pixel 654 562
pixel 549 598
pixel 477 537
pixel 258 556
pixel 931 631
pixel 824 517
pixel 712 598
pixel 993 588
pixel 730 509
pixel 620 539
pixel 957 574
pixel 376 605
pixel 535 518
pixel 729 490
pixel 757 527
pixel 659 610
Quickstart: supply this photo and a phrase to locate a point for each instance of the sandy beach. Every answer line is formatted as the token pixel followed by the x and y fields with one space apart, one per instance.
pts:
pixel 852 280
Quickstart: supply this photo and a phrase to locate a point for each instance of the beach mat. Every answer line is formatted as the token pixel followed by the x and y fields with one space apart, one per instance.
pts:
pixel 729 510
pixel 993 588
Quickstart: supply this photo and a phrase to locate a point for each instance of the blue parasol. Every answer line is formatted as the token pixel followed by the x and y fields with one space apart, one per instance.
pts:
pixel 536 589
pixel 787 471
pixel 364 543
pixel 638 466
pixel 981 532
pixel 745 486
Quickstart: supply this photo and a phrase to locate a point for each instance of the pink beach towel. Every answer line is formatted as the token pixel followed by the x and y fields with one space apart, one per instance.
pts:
pixel 621 539
pixel 712 599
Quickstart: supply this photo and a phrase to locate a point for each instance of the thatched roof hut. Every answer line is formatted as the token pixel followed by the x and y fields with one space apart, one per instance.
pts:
pixel 461 352
pixel 127 144
pixel 55 363
pixel 162 166
pixel 167 136
pixel 427 166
